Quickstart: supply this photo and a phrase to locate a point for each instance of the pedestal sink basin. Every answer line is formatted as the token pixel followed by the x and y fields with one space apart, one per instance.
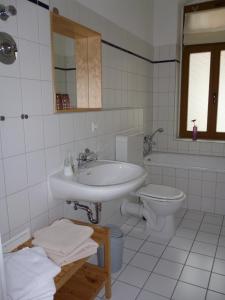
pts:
pixel 98 181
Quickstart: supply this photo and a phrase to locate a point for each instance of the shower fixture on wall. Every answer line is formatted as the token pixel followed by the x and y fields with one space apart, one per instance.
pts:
pixel 8 49
pixel 7 11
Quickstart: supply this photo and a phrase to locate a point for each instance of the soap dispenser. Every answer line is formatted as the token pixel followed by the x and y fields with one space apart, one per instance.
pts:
pixel 68 168
pixel 194 130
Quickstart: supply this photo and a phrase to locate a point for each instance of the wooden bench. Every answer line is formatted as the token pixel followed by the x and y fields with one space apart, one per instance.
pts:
pixel 82 280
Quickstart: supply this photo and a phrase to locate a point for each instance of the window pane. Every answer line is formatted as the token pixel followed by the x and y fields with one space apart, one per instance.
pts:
pixel 220 126
pixel 198 90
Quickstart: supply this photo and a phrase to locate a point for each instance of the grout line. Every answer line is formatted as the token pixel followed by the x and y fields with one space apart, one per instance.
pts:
pixel 178 280
pixel 215 256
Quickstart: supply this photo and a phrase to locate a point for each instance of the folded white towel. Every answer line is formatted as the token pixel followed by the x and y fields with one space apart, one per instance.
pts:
pixel 27 270
pixel 86 249
pixel 43 290
pixel 62 237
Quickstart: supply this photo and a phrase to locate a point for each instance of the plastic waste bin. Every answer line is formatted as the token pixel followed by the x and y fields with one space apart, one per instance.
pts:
pixel 116 242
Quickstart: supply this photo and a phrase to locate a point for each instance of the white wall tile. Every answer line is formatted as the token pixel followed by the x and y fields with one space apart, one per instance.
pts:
pixel 38 196
pixel 47 99
pixel 34 137
pixel 10 100
pixel 51 131
pixel 27 20
pixel 15 173
pixel 53 160
pixel 44 34
pixel 12 135
pixel 36 167
pixel 18 208
pixel 2 180
pixel 66 125
pixel 29 60
pixel 31 95
pixel 4 222
pixel 39 222
pixel 46 66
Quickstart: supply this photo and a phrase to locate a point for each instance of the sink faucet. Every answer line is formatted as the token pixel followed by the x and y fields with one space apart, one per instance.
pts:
pixel 148 141
pixel 85 157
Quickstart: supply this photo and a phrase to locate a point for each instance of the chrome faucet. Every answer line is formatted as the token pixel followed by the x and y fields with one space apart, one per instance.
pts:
pixel 85 157
pixel 148 141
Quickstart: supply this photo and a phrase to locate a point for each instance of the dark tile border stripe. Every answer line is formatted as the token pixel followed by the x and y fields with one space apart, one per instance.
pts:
pixel 43 5
pixel 64 69
pixel 139 56
pixel 39 3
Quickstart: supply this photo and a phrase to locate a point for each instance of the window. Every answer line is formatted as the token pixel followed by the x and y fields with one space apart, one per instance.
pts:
pixel 203 71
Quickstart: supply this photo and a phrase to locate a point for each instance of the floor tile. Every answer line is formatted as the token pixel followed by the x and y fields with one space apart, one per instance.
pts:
pixel 116 274
pixel 210 228
pixel 139 233
pixel 181 243
pixel 168 268
pixel 200 261
pixel 214 296
pixel 132 243
pixel 132 221
pixel 217 283
pixel 124 291
pixel 204 248
pixel 220 253
pixel 144 261
pixel 128 255
pixel 194 215
pixel 219 266
pixel 222 241
pixel 157 240
pixel 126 228
pixel 186 233
pixel 176 255
pixel 134 276
pixel 186 291
pixel 180 213
pixel 152 249
pixel 223 230
pixel 213 219
pixel 207 238
pixel 195 276
pixel 161 285
pixel 144 295
pixel 191 224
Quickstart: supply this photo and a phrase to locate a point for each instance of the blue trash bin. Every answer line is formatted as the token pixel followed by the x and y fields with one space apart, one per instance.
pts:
pixel 116 243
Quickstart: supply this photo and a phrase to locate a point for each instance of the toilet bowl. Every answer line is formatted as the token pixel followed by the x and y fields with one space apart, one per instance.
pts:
pixel 158 205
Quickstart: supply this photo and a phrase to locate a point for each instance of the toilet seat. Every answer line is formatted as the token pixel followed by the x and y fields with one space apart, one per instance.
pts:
pixel 160 193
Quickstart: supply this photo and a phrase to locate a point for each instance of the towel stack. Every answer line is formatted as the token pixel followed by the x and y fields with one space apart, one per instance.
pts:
pixel 30 275
pixel 66 242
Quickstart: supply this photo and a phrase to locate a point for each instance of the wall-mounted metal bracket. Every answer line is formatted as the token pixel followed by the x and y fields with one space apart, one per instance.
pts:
pixel 8 49
pixel 7 11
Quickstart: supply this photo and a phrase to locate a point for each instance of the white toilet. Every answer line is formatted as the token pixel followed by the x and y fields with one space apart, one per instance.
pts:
pixel 157 204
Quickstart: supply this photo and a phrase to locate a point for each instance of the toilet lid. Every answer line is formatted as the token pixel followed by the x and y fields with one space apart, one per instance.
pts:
pixel 161 192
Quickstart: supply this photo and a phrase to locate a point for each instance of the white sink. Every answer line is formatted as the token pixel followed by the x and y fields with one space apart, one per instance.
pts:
pixel 99 181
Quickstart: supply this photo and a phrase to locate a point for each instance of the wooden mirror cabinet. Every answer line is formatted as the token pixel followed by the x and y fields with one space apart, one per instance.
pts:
pixel 76 60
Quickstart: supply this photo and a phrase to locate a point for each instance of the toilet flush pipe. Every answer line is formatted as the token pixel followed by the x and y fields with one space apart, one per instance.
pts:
pixel 139 210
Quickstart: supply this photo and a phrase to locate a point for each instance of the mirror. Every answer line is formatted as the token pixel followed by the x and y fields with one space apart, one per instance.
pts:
pixel 76 57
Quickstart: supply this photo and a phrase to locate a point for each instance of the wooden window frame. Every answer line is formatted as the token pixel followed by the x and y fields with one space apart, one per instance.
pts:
pixel 215 50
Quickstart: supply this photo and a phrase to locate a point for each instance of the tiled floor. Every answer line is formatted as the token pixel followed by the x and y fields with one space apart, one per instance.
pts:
pixel 191 266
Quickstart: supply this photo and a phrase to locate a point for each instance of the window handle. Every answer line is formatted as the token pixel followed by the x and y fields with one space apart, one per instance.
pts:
pixel 214 97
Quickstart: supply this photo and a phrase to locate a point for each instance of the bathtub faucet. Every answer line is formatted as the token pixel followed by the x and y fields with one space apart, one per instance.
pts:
pixel 148 141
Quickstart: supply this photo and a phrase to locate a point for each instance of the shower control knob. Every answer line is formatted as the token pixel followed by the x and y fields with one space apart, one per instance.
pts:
pixel 26 116
pixel 2 118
